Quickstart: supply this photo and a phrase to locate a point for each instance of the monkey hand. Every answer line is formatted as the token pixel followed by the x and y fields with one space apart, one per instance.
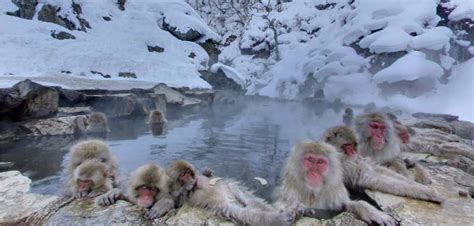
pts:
pixel 110 197
pixel 283 218
pixel 81 194
pixel 163 206
pixel 208 172
pixel 370 214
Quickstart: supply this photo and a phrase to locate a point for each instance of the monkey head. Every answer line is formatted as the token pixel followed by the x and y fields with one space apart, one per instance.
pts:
pixel 348 111
pixel 91 149
pixel 375 128
pixel 98 118
pixel 314 163
pixel 183 173
pixel 90 175
pixel 156 116
pixel 147 183
pixel 402 132
pixel 344 139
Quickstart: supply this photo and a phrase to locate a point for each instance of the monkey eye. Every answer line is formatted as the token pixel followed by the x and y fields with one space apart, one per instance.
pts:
pixel 320 161
pixel 310 159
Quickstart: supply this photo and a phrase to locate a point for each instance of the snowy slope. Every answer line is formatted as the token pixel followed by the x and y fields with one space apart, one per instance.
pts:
pixel 27 48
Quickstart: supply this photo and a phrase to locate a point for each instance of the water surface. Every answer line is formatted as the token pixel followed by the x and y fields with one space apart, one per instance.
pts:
pixel 238 137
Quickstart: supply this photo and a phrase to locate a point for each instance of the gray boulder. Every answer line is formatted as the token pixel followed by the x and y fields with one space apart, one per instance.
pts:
pixel 464 129
pixel 37 101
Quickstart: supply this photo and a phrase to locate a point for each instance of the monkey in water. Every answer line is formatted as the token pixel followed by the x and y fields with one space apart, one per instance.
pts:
pixel 157 122
pixel 313 181
pixel 225 198
pixel 360 173
pixel 348 117
pixel 97 124
pixel 378 141
pixel 90 170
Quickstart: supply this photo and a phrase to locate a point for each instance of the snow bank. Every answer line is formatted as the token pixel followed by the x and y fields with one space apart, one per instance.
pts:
pixel 121 45
pixel 463 9
pixel 412 66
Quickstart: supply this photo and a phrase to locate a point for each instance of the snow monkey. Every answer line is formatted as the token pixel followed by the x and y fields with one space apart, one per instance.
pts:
pixel 348 117
pixel 90 170
pixel 148 188
pixel 360 173
pixel 378 141
pixel 157 122
pixel 225 198
pixel 97 123
pixel 313 179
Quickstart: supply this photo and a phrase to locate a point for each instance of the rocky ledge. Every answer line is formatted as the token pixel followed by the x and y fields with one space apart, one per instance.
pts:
pixel 31 109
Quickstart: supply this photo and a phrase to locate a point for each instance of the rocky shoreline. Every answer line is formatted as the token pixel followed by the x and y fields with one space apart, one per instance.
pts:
pixel 29 109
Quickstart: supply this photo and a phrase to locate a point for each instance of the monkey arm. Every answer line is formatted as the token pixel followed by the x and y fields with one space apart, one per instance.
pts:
pixel 369 214
pixel 385 171
pixel 398 165
pixel 111 196
pixel 208 172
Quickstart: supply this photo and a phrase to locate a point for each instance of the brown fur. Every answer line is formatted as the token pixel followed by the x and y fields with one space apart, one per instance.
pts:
pixel 226 199
pixel 83 152
pixel 297 195
pixel 97 123
pixel 156 116
pixel 361 174
pixel 95 171
pixel 152 176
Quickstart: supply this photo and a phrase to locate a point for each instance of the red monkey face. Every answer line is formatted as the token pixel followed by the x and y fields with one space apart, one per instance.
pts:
pixel 186 176
pixel 315 166
pixel 404 137
pixel 146 196
pixel 349 150
pixel 84 185
pixel 377 134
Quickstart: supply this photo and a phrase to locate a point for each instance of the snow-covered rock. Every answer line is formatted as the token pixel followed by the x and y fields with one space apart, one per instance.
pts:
pixel 116 42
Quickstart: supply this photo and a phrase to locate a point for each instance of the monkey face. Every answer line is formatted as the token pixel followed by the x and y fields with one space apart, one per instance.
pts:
pixel 187 179
pixel 377 134
pixel 90 175
pixel 315 167
pixel 146 195
pixel 350 150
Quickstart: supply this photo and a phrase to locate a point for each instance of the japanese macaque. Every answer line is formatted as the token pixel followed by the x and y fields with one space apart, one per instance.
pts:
pixel 92 179
pixel 157 122
pixel 148 188
pixel 378 141
pixel 360 173
pixel 97 124
pixel 225 198
pixel 348 117
pixel 90 170
pixel 313 180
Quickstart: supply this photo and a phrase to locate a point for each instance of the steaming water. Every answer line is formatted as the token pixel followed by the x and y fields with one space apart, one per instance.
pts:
pixel 237 137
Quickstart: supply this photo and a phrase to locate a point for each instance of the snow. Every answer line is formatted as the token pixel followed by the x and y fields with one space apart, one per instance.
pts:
pixel 455 97
pixel 463 9
pixel 109 47
pixel 412 66
pixel 230 73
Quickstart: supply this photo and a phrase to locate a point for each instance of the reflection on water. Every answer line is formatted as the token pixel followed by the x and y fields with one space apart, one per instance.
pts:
pixel 237 138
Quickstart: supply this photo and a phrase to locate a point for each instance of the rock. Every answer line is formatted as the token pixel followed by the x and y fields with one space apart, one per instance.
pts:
pixel 6 164
pixel 341 219
pixel 437 117
pixel 127 75
pixel 439 125
pixel 189 35
pixel 15 200
pixel 220 81
pixel 87 212
pixel 175 97
pixel 118 105
pixel 9 99
pixel 26 9
pixel 37 101
pixel 54 126
pixel 62 35
pixel 155 49
pixel 48 13
pixel 160 102
pixel 66 111
pixel 464 129
pixel 68 98
pixel 206 96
